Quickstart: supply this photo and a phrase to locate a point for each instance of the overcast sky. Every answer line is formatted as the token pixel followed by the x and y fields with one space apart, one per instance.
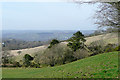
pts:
pixel 47 16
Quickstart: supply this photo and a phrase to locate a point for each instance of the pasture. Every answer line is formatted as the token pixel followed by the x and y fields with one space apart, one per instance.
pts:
pixel 99 66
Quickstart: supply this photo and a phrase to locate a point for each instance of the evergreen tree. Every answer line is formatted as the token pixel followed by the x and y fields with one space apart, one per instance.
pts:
pixel 53 42
pixel 77 41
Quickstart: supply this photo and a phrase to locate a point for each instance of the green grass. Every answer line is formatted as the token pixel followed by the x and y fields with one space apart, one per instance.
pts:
pixel 99 66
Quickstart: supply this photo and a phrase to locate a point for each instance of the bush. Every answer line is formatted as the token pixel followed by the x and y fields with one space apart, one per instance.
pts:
pixel 68 56
pixel 109 47
pixel 96 50
pixel 27 59
pixel 98 43
pixel 117 48
pixel 101 47
pixel 53 42
pixel 16 64
pixel 81 53
pixel 19 52
pixel 7 58
pixel 57 54
pixel 35 65
pixel 97 47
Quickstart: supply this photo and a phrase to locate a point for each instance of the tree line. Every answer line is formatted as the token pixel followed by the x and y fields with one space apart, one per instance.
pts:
pixel 13 44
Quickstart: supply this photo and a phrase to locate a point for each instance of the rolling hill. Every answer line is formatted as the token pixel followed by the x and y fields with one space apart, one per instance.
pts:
pixel 107 38
pixel 40 35
pixel 100 66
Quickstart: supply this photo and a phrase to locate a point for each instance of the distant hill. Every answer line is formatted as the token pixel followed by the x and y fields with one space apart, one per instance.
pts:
pixel 100 66
pixel 40 35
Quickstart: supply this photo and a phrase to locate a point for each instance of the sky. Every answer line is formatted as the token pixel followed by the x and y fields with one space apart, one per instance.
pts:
pixel 47 16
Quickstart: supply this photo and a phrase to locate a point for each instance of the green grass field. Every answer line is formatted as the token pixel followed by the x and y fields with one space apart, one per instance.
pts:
pixel 100 66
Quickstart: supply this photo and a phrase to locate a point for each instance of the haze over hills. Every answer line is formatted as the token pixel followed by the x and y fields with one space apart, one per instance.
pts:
pixel 40 35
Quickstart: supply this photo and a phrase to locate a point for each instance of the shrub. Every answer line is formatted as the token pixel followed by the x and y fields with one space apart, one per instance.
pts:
pixel 19 52
pixel 98 43
pixel 68 56
pixel 81 53
pixel 109 48
pixel 26 63
pixel 35 65
pixel 97 47
pixel 16 64
pixel 7 58
pixel 27 59
pixel 53 42
pixel 117 48
pixel 57 54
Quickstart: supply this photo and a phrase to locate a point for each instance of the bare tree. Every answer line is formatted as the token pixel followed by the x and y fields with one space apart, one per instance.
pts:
pixel 108 15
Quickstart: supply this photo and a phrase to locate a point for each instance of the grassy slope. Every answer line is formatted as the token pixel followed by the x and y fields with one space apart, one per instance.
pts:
pixel 99 66
pixel 108 38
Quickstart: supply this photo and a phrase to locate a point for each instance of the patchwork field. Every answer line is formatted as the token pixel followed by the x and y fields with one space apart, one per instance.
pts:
pixel 100 66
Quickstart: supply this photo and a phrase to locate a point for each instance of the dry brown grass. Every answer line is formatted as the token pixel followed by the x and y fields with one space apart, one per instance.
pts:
pixel 107 38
